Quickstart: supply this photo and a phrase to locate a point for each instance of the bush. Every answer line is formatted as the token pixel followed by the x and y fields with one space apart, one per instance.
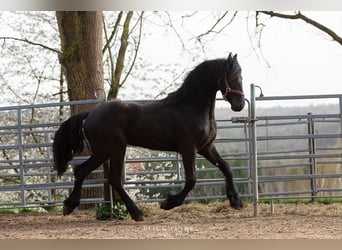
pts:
pixel 119 211
pixel 104 212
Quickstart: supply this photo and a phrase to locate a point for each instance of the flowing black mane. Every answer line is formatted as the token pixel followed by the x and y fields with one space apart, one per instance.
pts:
pixel 201 77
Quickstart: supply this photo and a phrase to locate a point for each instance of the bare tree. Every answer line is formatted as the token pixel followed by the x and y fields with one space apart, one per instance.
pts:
pixel 119 67
pixel 29 56
pixel 300 16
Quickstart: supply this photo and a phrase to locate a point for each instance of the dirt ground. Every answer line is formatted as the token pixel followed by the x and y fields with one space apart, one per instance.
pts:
pixel 191 221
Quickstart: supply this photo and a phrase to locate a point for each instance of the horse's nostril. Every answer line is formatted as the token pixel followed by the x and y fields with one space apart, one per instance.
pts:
pixel 238 107
pixel 242 105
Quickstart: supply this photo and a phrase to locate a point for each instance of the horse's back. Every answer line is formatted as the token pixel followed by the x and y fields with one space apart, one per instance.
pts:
pixel 138 124
pixel 150 125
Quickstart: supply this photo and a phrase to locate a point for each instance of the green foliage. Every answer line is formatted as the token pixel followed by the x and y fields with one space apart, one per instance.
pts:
pixel 119 211
pixel 104 212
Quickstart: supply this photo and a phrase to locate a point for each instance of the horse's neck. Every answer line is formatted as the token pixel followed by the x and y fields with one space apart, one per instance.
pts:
pixel 206 105
pixel 202 101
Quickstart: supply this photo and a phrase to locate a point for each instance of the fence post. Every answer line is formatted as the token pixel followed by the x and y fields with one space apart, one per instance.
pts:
pixel 21 157
pixel 254 153
pixel 248 147
pixel 49 173
pixel 312 159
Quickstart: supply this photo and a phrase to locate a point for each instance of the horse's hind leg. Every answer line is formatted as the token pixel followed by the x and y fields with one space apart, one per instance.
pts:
pixel 211 154
pixel 81 172
pixel 115 179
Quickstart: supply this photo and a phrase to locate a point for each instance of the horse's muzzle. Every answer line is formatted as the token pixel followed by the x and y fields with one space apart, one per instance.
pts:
pixel 239 107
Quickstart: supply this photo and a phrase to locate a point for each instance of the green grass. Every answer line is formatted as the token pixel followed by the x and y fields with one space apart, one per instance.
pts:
pixel 19 210
pixel 301 201
pixel 282 201
pixel 29 210
pixel 8 211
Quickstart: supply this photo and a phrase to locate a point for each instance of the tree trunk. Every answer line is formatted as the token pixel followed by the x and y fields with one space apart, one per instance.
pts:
pixel 81 42
pixel 81 60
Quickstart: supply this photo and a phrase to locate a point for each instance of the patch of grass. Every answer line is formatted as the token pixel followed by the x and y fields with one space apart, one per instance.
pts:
pixel 281 201
pixel 28 210
pixel 18 210
pixel 329 200
pixel 8 211
pixel 301 201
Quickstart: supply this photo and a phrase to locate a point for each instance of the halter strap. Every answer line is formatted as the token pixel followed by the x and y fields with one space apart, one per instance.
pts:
pixel 229 89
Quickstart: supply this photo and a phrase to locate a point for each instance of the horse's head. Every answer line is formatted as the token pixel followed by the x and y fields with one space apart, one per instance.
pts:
pixel 230 84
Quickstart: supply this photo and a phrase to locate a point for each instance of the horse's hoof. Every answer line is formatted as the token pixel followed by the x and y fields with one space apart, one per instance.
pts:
pixel 237 204
pixel 138 218
pixel 165 205
pixel 170 203
pixel 68 208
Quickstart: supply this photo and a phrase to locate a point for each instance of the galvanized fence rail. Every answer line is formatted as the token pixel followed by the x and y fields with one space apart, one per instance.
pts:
pixel 303 168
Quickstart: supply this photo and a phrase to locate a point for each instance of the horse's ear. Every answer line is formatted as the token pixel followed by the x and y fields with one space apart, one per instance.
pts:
pixel 235 58
pixel 230 58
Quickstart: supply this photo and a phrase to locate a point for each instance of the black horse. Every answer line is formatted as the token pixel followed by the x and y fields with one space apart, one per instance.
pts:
pixel 183 122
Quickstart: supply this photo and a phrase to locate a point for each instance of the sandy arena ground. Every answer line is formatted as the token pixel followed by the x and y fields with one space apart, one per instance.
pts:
pixel 191 221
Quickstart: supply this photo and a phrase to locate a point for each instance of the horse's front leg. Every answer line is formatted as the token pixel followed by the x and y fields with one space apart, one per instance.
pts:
pixel 80 172
pixel 211 154
pixel 190 181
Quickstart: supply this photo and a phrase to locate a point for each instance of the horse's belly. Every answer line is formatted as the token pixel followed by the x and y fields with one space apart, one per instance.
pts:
pixel 152 140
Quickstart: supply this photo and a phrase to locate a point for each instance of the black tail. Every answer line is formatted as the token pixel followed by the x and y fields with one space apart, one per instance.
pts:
pixel 68 141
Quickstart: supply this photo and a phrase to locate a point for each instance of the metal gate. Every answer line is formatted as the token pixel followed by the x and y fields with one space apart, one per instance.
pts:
pixel 314 157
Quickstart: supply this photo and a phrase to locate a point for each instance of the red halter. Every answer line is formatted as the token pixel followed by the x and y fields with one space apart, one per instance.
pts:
pixel 229 89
